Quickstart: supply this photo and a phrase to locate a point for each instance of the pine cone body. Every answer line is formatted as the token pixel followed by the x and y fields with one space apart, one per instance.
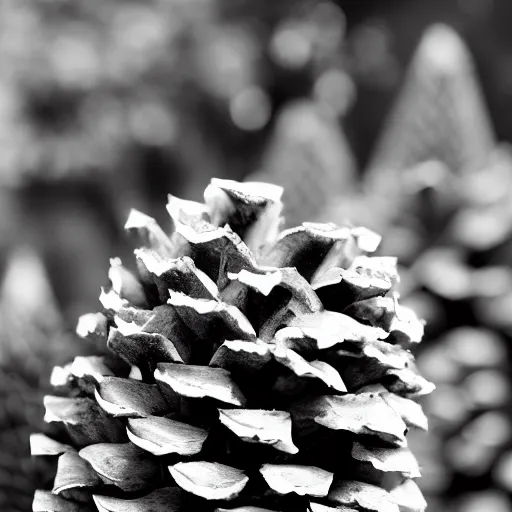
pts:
pixel 247 370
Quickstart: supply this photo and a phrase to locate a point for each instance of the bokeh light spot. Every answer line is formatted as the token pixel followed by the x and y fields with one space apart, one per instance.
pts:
pixel 250 109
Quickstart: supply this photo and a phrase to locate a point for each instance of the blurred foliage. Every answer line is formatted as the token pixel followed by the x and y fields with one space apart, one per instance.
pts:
pixel 99 83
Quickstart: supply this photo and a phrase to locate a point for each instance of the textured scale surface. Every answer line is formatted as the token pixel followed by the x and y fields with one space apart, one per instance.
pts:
pixel 243 368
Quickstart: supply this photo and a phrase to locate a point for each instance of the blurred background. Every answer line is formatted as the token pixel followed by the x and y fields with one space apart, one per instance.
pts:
pixel 394 114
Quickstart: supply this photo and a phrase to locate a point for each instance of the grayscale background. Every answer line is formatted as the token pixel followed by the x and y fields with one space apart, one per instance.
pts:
pixel 395 114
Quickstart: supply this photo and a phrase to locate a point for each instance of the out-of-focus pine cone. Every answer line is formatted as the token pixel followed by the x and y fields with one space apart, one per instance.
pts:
pixel 247 369
pixel 310 157
pixel 32 340
pixel 437 150
pixel 440 113
pixel 439 190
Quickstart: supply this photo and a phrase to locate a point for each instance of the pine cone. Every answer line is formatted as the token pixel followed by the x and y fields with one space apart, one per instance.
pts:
pixel 247 370
pixel 440 114
pixel 32 340
pixel 309 156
